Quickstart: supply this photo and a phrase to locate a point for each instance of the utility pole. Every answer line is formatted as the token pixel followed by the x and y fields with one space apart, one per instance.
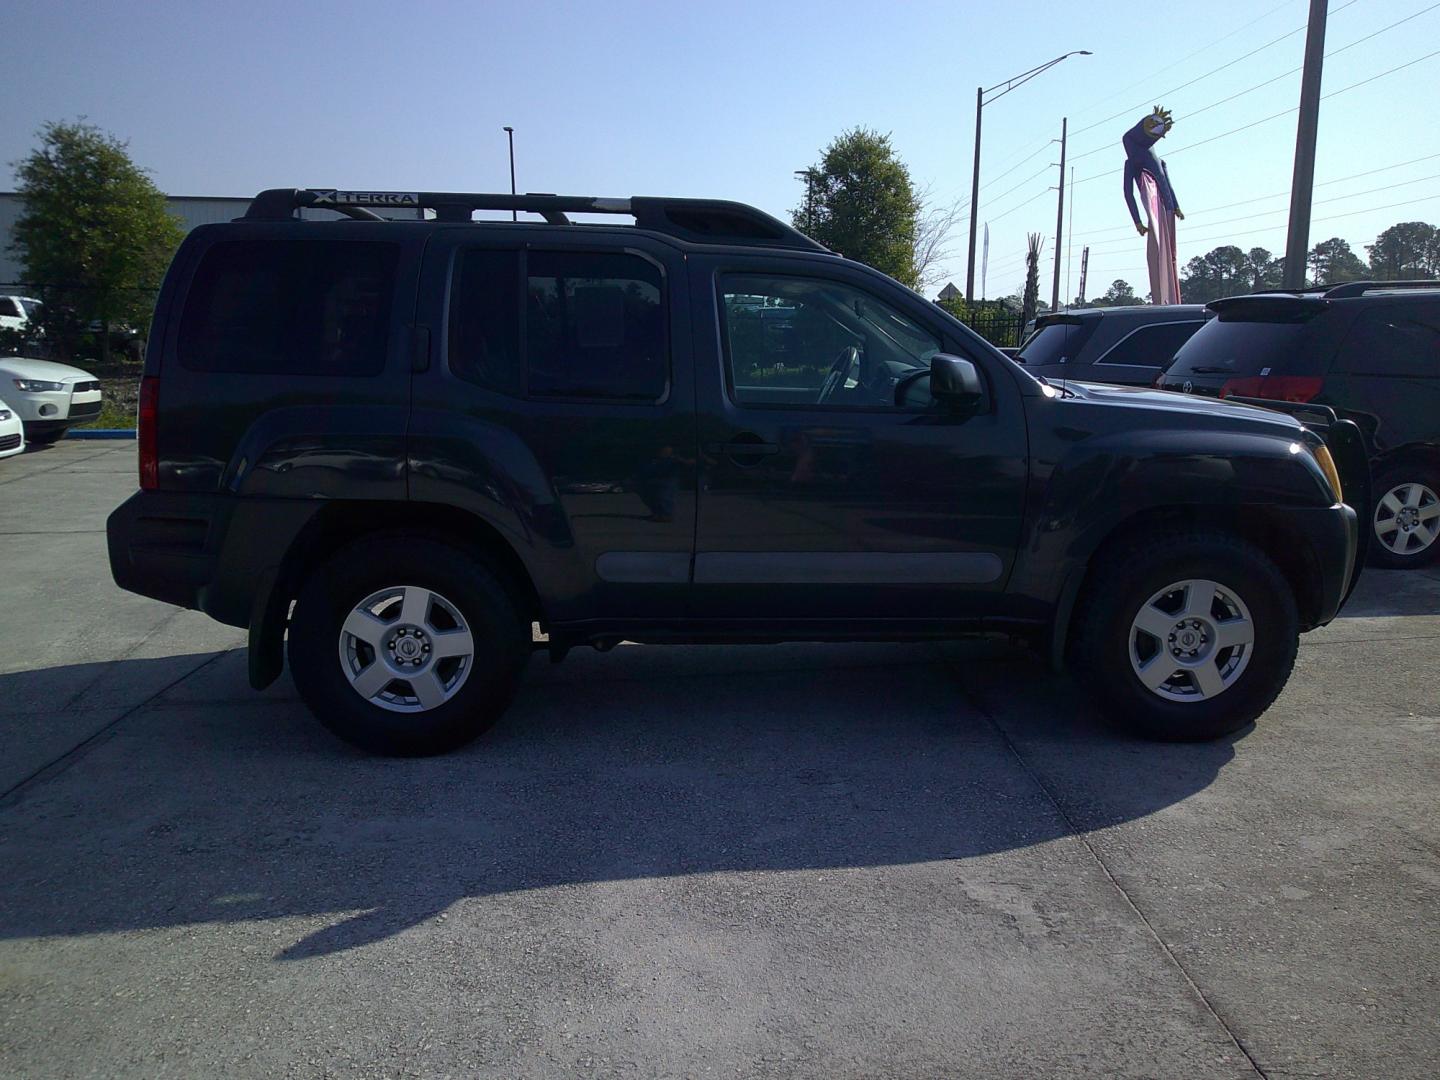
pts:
pixel 1302 185
pixel 1084 267
pixel 974 198
pixel 510 134
pixel 1059 218
pixel 1070 236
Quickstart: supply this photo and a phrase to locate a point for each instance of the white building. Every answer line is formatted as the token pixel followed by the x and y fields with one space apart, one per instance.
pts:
pixel 190 210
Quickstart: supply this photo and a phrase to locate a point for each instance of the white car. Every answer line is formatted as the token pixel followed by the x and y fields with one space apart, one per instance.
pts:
pixel 16 312
pixel 12 432
pixel 48 397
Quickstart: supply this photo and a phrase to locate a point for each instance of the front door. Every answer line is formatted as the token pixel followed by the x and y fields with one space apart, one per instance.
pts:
pixel 832 486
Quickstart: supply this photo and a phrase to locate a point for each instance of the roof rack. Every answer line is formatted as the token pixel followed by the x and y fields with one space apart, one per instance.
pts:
pixel 1360 288
pixel 700 221
pixel 1347 289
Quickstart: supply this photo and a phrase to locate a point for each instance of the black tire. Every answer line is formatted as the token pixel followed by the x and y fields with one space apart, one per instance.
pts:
pixel 1409 478
pixel 1123 581
pixel 501 644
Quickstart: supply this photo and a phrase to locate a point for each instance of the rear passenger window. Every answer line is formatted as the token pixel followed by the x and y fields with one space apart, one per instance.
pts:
pixel 1393 342
pixel 594 327
pixel 1151 346
pixel 485 320
pixel 302 306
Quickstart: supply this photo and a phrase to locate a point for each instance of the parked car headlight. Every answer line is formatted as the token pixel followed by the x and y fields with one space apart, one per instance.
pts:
pixel 37 386
pixel 5 414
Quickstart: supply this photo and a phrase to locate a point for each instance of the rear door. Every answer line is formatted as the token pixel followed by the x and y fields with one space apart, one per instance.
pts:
pixel 558 404
pixel 1387 376
pixel 831 487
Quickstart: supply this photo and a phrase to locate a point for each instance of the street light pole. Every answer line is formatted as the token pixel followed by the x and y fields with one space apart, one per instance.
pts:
pixel 1302 184
pixel 974 198
pixel 980 103
pixel 510 134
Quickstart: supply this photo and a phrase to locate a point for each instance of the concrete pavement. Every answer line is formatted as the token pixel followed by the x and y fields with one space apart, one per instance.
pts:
pixel 761 861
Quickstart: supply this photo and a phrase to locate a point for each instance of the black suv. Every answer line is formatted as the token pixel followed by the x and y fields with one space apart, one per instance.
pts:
pixel 1126 346
pixel 1368 350
pixel 408 445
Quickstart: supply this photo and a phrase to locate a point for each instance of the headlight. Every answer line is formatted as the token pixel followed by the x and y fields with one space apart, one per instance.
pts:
pixel 1327 466
pixel 5 414
pixel 37 386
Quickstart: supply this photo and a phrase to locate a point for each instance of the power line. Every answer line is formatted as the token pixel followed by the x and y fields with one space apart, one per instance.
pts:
pixel 1275 195
pixel 1018 206
pixel 1183 59
pixel 1192 113
pixel 1276 116
pixel 1264 229
pixel 1021 184
pixel 1285 209
pixel 1213 71
pixel 1017 165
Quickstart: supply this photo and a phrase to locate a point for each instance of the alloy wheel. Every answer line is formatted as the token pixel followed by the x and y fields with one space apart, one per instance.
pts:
pixel 406 649
pixel 1191 641
pixel 1407 519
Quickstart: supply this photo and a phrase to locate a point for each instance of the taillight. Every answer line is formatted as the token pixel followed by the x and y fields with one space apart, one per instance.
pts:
pixel 146 433
pixel 1297 388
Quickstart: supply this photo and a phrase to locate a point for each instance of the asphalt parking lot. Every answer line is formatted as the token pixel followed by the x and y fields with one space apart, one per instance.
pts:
pixel 835 861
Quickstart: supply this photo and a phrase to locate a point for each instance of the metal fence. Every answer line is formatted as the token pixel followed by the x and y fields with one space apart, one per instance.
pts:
pixel 998 325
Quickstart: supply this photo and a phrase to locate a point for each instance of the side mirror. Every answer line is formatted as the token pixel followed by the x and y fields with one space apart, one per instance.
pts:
pixel 954 381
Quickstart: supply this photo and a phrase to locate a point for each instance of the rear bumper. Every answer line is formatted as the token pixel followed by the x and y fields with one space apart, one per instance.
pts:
pixel 215 553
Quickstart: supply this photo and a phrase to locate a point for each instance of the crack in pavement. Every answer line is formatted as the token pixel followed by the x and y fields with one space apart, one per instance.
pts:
pixel 978 703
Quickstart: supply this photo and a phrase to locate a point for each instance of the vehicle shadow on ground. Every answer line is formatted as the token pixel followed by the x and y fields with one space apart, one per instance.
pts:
pixel 211 805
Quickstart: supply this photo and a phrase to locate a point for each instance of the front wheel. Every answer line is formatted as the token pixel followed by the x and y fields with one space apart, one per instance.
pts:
pixel 404 645
pixel 1186 637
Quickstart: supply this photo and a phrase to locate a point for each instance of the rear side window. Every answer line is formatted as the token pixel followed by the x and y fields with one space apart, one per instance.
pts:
pixel 1394 342
pixel 1057 343
pixel 301 306
pixel 485 320
pixel 1151 346
pixel 594 326
pixel 9 307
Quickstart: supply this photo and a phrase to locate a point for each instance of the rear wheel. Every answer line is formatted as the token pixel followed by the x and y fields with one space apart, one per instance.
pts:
pixel 404 645
pixel 1186 636
pixel 1406 517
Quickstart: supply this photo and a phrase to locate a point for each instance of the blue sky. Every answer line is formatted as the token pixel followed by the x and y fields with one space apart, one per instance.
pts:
pixel 728 100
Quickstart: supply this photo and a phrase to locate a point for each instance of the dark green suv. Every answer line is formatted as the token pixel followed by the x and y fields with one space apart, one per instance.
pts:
pixel 420 450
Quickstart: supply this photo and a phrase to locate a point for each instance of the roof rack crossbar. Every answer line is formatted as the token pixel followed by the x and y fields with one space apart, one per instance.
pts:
pixel 704 221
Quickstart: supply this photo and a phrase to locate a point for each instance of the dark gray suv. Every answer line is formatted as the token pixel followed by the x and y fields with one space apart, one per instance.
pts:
pixel 1124 346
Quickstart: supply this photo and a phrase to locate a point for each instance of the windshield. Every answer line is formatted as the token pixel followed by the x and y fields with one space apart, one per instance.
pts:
pixel 1056 343
pixel 30 307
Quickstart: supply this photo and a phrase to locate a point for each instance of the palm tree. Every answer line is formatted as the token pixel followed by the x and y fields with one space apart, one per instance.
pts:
pixel 1032 277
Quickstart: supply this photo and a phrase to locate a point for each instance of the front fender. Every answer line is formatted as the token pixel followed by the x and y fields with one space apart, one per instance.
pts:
pixel 1096 484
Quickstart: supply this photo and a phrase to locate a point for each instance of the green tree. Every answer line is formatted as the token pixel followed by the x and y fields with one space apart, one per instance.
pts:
pixel 94 235
pixel 1408 250
pixel 1120 294
pixel 1331 262
pixel 860 202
